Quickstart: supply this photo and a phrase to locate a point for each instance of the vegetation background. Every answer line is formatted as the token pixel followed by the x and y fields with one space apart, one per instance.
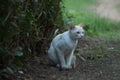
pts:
pixel 84 12
pixel 26 28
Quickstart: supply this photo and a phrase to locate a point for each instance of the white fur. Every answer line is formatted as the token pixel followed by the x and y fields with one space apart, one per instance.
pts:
pixel 61 51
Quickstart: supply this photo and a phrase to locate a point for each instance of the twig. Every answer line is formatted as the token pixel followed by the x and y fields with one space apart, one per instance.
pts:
pixel 9 13
pixel 81 58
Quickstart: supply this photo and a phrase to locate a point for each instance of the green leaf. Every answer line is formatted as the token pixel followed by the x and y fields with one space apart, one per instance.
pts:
pixel 8 70
pixel 19 53
pixel 14 24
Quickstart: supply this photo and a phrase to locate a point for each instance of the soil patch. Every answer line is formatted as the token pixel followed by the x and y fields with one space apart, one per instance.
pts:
pixel 108 9
pixel 102 63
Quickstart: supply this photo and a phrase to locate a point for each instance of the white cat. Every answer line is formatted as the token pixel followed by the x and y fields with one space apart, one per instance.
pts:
pixel 61 51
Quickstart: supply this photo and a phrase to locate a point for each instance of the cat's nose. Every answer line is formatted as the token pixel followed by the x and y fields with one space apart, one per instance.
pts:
pixel 82 36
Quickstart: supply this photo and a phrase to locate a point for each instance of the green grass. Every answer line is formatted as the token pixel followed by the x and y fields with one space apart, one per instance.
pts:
pixel 77 9
pixel 80 11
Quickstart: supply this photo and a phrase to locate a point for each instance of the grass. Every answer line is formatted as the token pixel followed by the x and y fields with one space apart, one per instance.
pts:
pixel 80 11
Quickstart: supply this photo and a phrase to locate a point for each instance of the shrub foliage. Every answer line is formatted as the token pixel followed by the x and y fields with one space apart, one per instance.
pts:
pixel 26 27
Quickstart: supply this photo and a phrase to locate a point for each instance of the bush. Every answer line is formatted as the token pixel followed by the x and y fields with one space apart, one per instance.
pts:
pixel 26 27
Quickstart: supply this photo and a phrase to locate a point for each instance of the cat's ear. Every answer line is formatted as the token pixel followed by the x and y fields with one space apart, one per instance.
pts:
pixel 71 25
pixel 81 25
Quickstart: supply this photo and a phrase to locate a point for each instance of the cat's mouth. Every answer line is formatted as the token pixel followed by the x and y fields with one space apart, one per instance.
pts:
pixel 80 37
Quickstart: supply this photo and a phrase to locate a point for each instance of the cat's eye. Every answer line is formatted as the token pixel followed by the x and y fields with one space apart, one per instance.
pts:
pixel 78 32
pixel 82 32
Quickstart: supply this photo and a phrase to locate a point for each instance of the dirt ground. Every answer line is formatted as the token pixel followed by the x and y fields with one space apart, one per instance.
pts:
pixel 108 9
pixel 102 62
